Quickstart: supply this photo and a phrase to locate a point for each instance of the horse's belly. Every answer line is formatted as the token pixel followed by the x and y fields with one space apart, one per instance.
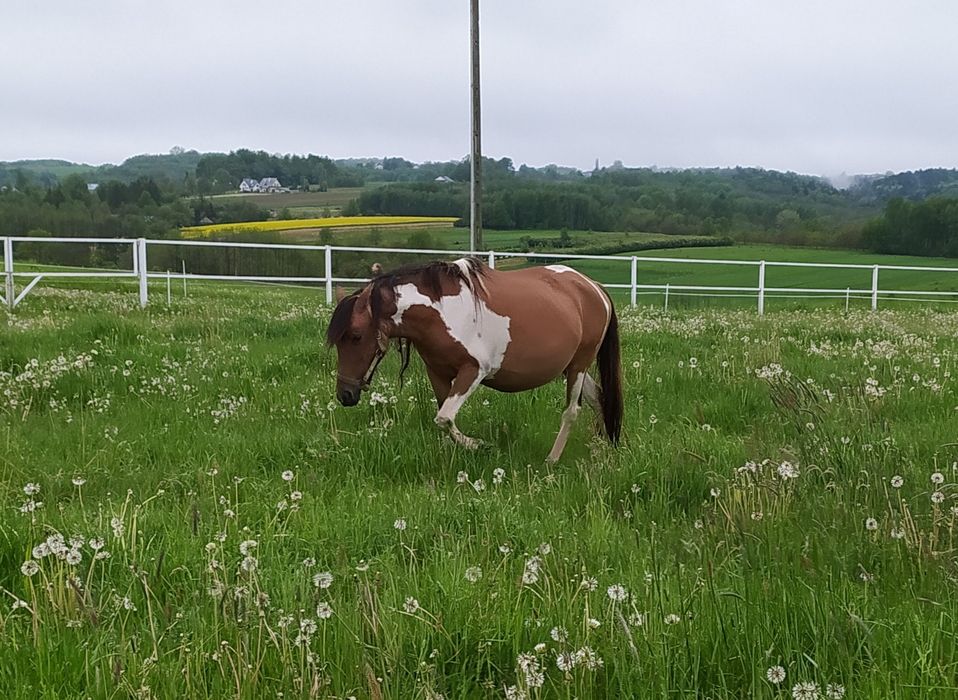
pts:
pixel 510 382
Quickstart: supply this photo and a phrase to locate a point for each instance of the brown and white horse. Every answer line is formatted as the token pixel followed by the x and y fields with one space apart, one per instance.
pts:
pixel 471 324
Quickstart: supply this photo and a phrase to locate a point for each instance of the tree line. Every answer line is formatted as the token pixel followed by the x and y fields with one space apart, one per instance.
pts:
pixel 927 228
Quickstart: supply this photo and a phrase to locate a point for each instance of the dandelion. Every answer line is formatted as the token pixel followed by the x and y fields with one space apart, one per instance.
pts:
pixel 127 604
pixel 540 648
pixel 775 675
pixel 937 497
pixel 715 492
pixel 787 470
pixel 897 481
pixel 559 634
pixel 29 568
pixel 565 661
pixel 324 611
pixel 462 477
pixel 117 526
pixel 498 475
pixel 296 496
pixel 288 475
pixel 587 657
pixel 593 623
pixel 807 690
pixel 479 485
pixel 362 566
pixel 636 619
pixel 411 605
pixel 73 557
pixel 653 419
pixel 897 533
pixel 937 478
pixel 473 574
pixel 78 481
pixel 514 693
pixel 589 584
pixel 96 543
pixel 247 546
pixel 504 549
pixel 309 562
pixel 834 691
pixel 323 579
pixel 871 524
pixel 530 577
pixel 307 627
pixel 249 564
pixel 617 593
pixel 31 489
pixel 41 550
pixel 672 619
pixel 400 524
pixel 545 549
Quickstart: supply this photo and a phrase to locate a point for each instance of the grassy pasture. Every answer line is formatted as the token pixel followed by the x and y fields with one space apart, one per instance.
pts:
pixel 611 272
pixel 334 198
pixel 263 542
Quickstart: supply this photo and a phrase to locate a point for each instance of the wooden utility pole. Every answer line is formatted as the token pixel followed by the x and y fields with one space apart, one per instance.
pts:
pixel 475 160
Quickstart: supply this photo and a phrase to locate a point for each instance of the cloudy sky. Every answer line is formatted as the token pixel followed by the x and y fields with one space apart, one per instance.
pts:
pixel 813 86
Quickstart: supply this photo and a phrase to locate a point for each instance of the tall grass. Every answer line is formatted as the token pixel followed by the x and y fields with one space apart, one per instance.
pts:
pixel 183 512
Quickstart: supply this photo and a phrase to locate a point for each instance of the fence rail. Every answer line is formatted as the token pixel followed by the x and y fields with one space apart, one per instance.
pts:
pixel 140 256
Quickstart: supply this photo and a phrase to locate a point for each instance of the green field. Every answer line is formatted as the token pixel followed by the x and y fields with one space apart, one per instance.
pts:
pixel 303 205
pixel 693 274
pixel 183 512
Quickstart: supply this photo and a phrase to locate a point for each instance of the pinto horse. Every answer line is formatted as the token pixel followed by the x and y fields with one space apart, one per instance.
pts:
pixel 471 324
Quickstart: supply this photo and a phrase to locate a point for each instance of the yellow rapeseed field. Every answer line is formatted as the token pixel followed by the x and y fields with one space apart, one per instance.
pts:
pixel 329 222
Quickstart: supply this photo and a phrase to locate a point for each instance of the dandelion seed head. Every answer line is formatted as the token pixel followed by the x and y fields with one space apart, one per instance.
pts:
pixel 411 605
pixel 617 593
pixel 775 674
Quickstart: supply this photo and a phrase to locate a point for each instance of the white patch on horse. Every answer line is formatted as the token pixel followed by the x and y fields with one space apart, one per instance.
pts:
pixel 481 331
pixel 596 287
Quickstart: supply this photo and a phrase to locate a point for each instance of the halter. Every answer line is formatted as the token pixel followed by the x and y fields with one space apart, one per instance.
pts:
pixel 382 345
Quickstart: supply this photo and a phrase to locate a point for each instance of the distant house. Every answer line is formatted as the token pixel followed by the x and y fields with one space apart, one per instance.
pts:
pixel 249 185
pixel 269 184
pixel 91 186
pixel 443 178
pixel 206 221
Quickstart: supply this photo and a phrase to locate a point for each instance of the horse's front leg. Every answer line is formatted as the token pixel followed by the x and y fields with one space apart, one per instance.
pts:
pixel 462 387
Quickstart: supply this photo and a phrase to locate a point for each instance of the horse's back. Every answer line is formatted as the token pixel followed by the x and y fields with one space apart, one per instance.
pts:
pixel 557 318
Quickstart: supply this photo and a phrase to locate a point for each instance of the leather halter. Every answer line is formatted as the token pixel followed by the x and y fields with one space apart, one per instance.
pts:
pixel 382 345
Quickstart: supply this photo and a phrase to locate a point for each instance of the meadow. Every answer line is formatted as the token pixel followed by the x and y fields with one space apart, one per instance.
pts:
pixel 184 511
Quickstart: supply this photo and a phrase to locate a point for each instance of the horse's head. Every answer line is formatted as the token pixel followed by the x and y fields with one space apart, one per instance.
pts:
pixel 360 335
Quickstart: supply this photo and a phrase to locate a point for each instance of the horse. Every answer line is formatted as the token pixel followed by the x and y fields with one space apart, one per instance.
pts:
pixel 474 325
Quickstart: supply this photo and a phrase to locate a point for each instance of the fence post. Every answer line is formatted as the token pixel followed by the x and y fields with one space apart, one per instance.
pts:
pixel 666 296
pixel 492 260
pixel 875 288
pixel 329 275
pixel 169 292
pixel 848 294
pixel 184 278
pixel 8 271
pixel 635 277
pixel 761 288
pixel 141 270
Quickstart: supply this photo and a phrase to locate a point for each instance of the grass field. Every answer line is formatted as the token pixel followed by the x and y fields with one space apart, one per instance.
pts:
pixel 183 512
pixel 300 204
pixel 786 277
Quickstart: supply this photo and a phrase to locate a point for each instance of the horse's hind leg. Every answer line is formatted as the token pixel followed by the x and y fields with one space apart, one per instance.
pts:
pixel 462 387
pixel 574 382
pixel 590 392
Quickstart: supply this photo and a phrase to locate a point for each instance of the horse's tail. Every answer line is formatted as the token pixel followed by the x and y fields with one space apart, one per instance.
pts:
pixel 610 374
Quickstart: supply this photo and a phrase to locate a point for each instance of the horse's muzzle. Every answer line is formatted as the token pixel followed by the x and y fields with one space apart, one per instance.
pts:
pixel 348 396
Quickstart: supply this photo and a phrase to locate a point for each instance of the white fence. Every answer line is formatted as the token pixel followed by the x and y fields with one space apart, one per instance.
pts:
pixel 141 273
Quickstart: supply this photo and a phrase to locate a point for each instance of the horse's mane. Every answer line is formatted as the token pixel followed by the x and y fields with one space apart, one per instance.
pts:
pixel 429 277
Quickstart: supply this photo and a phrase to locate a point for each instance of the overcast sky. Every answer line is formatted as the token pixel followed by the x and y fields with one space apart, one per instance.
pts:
pixel 812 86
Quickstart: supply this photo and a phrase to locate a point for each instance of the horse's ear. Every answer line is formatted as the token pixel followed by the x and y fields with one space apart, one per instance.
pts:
pixel 340 294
